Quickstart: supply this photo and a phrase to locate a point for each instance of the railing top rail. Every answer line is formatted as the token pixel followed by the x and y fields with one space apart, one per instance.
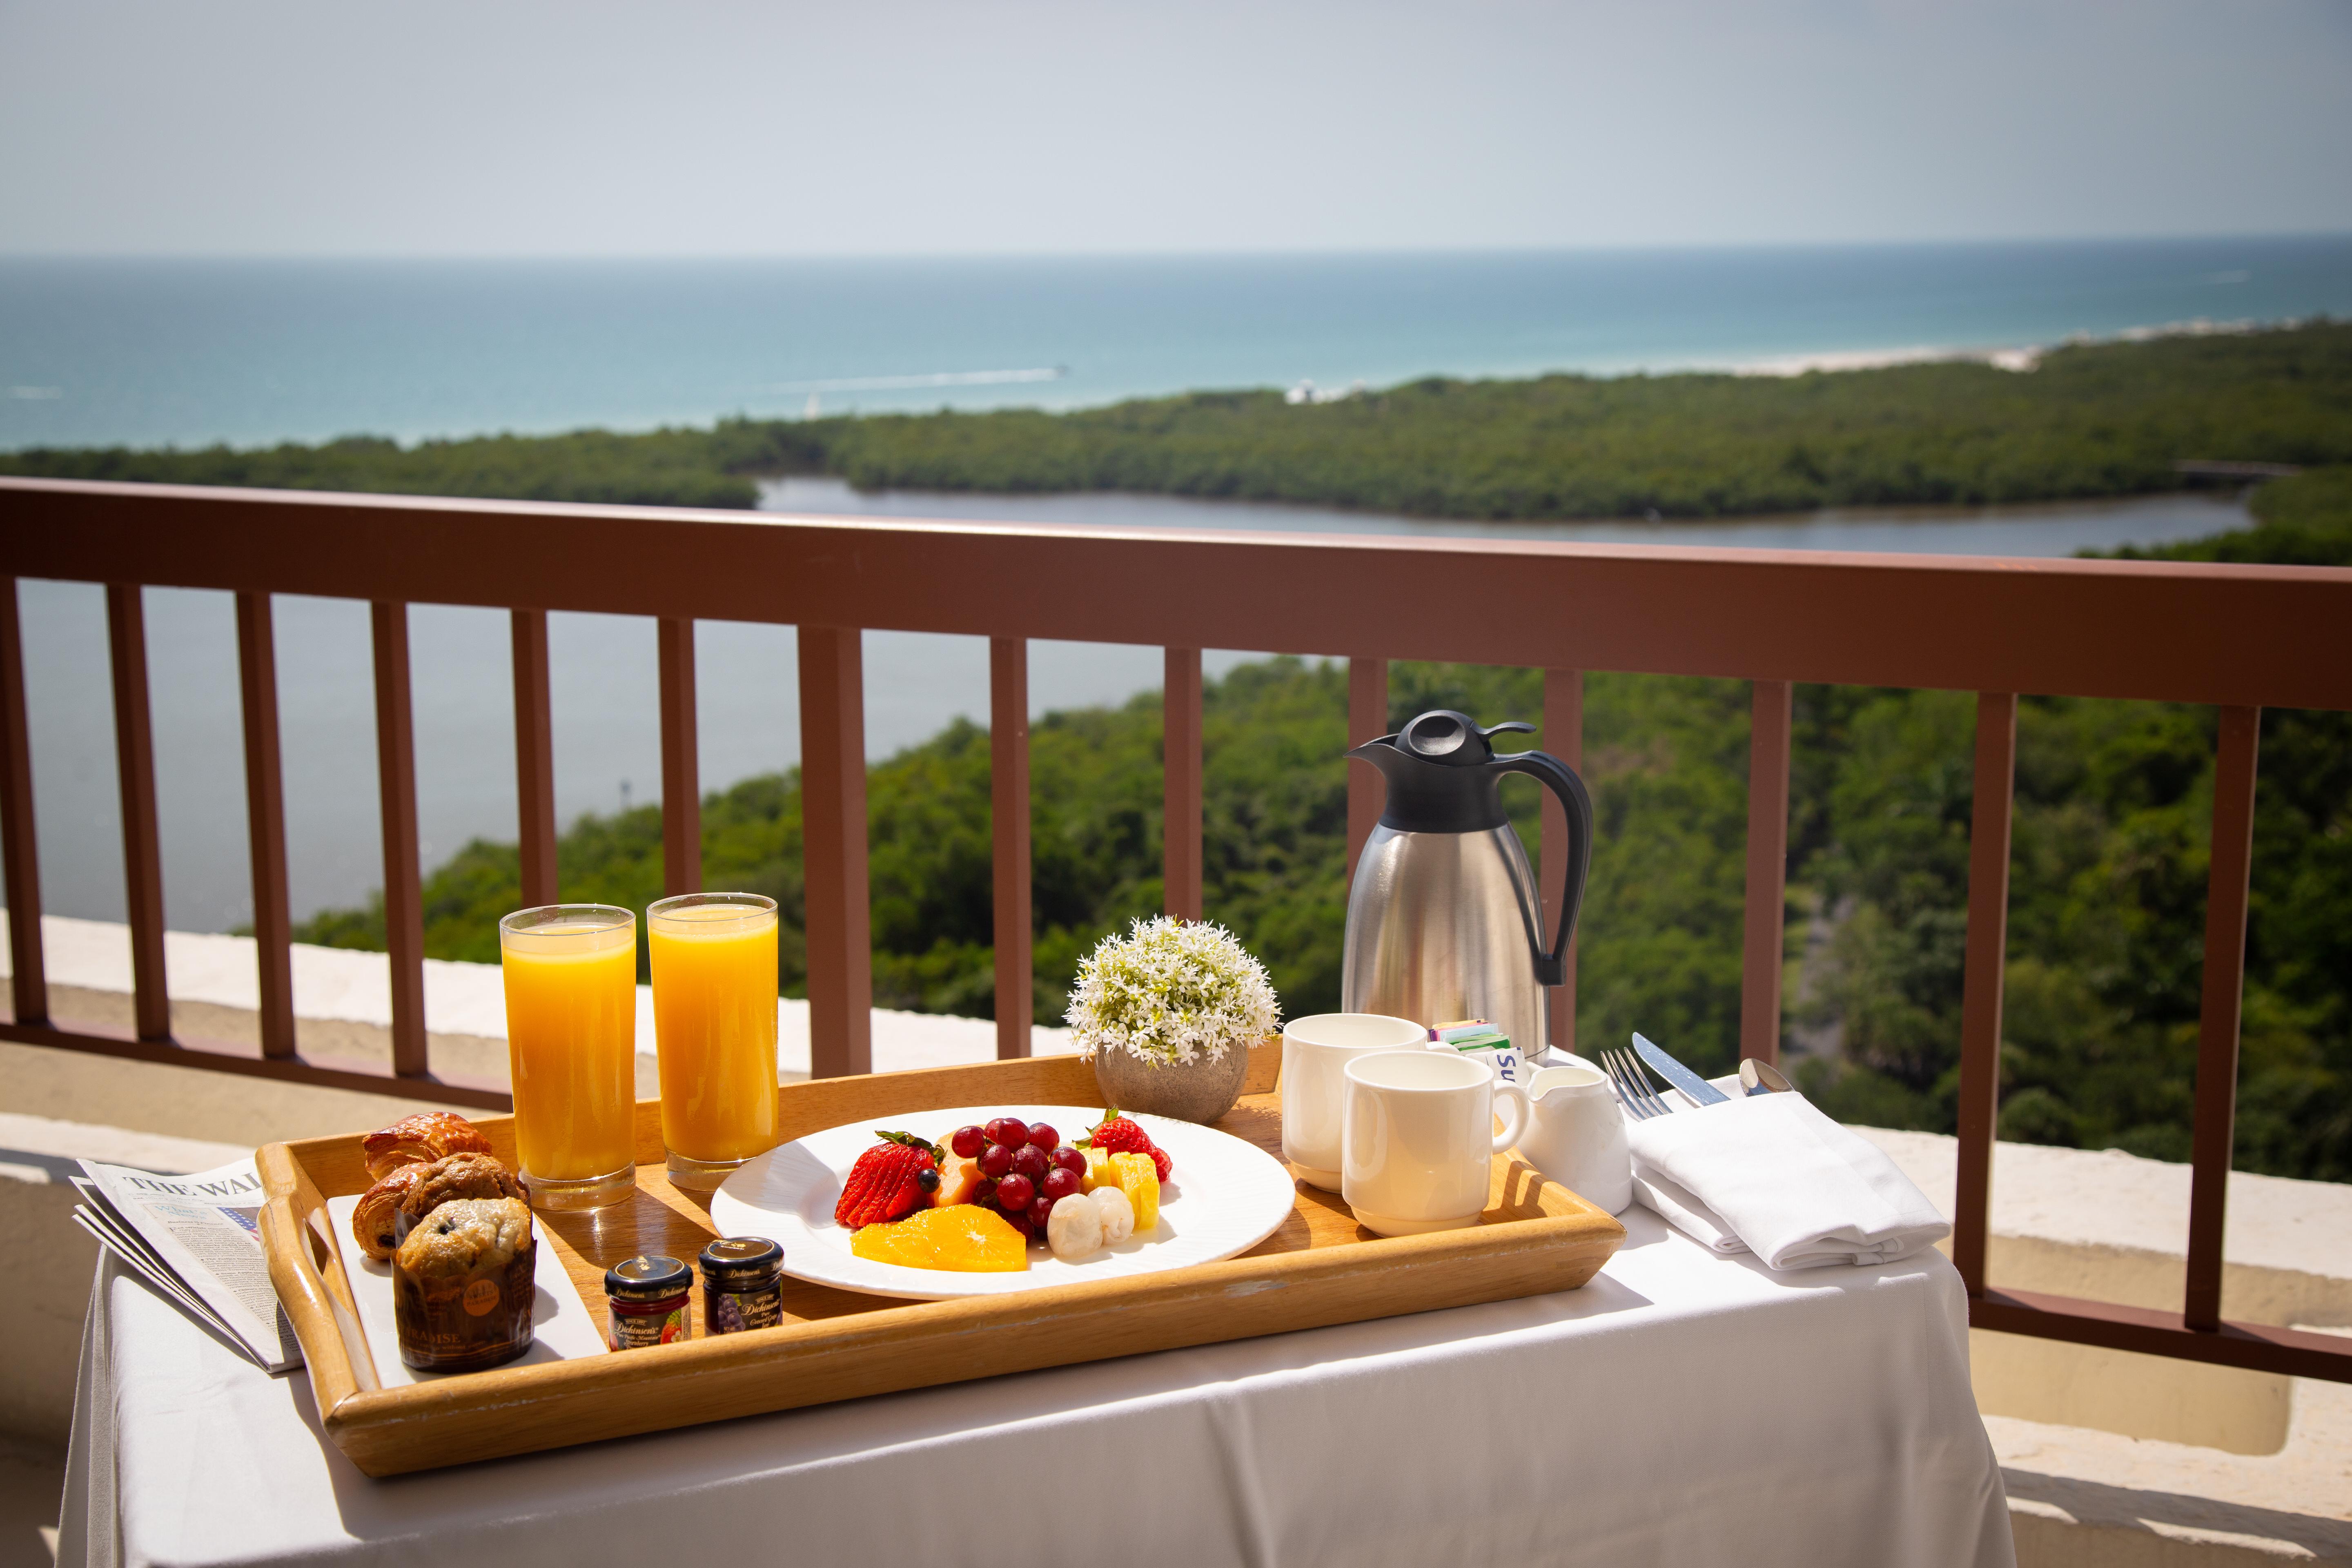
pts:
pixel 2274 635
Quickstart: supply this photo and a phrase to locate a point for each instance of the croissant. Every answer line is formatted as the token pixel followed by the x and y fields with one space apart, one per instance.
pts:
pixel 372 1221
pixel 420 1139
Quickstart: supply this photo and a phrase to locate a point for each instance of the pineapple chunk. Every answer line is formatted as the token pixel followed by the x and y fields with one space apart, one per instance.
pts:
pixel 1138 1178
pixel 1100 1173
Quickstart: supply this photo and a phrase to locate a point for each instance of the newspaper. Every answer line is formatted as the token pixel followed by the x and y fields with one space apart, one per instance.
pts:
pixel 198 1238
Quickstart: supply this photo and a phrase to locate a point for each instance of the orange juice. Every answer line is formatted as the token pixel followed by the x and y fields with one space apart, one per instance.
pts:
pixel 571 976
pixel 714 962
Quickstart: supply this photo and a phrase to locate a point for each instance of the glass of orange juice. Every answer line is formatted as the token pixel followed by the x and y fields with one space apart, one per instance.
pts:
pixel 714 958
pixel 572 1036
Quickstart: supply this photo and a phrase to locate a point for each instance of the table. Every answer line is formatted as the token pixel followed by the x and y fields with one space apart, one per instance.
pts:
pixel 1680 1409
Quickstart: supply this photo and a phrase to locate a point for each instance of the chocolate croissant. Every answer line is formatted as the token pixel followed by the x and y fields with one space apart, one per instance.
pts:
pixel 420 1139
pixel 373 1223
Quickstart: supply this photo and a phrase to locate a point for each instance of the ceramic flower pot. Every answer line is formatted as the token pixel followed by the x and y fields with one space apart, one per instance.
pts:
pixel 1198 1090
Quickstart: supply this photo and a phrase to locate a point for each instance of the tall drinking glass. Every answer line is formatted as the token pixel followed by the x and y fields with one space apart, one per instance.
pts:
pixel 715 1028
pixel 572 1036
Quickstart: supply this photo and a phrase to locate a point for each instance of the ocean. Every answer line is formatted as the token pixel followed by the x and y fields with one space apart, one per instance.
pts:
pixel 149 351
pixel 141 353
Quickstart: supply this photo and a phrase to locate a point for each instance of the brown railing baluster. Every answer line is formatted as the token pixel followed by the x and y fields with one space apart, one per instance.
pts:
pixel 1563 736
pixel 2212 1139
pixel 838 920
pixel 1367 719
pixel 534 759
pixel 265 821
pixel 142 853
pixel 1768 871
pixel 1008 808
pixel 404 901
pixel 1980 1000
pixel 681 765
pixel 1179 831
pixel 20 850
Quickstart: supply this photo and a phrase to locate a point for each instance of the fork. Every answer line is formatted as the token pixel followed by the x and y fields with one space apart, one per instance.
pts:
pixel 1633 1085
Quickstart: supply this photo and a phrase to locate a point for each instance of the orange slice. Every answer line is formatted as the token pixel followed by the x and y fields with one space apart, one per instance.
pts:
pixel 965 1238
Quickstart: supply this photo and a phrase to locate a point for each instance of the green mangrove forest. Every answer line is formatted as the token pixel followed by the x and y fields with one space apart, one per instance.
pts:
pixel 2093 419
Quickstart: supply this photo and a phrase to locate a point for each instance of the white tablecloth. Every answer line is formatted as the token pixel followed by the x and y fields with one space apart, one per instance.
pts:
pixel 1681 1409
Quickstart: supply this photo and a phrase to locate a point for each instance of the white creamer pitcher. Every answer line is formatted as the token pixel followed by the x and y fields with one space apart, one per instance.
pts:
pixel 1576 1136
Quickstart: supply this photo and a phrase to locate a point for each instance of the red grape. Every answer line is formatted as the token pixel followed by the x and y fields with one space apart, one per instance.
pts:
pixel 1017 1218
pixel 1043 1136
pixel 1030 1161
pixel 968 1142
pixel 1008 1131
pixel 1015 1193
pixel 1041 1209
pixel 995 1160
pixel 1071 1160
pixel 1059 1182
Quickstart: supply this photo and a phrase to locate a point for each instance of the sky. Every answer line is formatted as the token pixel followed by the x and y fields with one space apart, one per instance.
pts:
pixel 908 127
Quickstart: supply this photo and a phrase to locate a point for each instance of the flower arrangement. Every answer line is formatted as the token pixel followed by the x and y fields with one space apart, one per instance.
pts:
pixel 1170 992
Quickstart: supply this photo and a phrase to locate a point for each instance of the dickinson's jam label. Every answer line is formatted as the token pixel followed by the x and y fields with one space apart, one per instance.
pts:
pixel 732 1311
pixel 634 1331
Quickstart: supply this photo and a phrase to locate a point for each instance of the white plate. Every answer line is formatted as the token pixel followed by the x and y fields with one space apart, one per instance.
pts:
pixel 1222 1197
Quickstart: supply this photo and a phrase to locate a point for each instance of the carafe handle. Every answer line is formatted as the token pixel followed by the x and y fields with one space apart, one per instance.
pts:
pixel 1551 966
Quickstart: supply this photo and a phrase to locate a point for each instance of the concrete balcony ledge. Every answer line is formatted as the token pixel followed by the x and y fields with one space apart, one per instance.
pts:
pixel 2112 1457
pixel 342 985
pixel 342 1006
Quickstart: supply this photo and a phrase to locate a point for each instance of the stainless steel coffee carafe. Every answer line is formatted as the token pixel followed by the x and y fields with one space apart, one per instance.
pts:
pixel 1443 920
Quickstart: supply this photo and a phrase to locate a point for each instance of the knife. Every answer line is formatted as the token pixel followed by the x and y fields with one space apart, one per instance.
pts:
pixel 1700 1091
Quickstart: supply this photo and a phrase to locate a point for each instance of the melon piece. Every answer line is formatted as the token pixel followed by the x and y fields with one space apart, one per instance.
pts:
pixel 960 1182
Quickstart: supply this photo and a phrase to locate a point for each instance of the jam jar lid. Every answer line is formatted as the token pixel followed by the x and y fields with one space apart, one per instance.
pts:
pixel 740 1260
pixel 653 1278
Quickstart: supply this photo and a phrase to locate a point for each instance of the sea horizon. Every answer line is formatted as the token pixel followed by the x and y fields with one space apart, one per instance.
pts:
pixel 192 351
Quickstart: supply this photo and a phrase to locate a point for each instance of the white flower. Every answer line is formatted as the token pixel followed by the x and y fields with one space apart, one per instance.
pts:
pixel 1170 992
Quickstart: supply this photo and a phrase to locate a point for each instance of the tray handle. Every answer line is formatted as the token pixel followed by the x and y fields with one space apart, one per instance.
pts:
pixel 324 1328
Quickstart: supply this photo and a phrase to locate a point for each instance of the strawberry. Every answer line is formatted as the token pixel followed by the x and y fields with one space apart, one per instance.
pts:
pixel 885 1183
pixel 1116 1134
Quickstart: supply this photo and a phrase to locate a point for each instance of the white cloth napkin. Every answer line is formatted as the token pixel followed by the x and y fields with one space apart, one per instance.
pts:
pixel 1768 1173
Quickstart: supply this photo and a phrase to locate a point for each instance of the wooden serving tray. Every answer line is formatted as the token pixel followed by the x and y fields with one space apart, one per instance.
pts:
pixel 1319 1269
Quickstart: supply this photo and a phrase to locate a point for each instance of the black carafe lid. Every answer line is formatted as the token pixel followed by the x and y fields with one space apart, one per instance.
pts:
pixel 1441 773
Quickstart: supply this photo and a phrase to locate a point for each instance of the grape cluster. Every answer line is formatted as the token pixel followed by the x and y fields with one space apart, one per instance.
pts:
pixel 1025 1168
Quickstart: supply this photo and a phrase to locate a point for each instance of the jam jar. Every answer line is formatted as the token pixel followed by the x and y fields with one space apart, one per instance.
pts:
pixel 648 1296
pixel 743 1285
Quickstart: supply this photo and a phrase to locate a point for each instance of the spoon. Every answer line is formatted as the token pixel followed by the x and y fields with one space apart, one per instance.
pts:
pixel 1760 1076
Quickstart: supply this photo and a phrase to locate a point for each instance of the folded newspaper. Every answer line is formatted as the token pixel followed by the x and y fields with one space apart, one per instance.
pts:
pixel 198 1238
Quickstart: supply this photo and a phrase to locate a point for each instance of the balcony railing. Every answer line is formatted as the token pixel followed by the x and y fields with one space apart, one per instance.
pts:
pixel 2234 636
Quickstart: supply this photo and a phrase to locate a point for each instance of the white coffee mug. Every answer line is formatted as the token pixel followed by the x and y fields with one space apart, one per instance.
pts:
pixel 1417 1138
pixel 1314 1050
pixel 1576 1135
